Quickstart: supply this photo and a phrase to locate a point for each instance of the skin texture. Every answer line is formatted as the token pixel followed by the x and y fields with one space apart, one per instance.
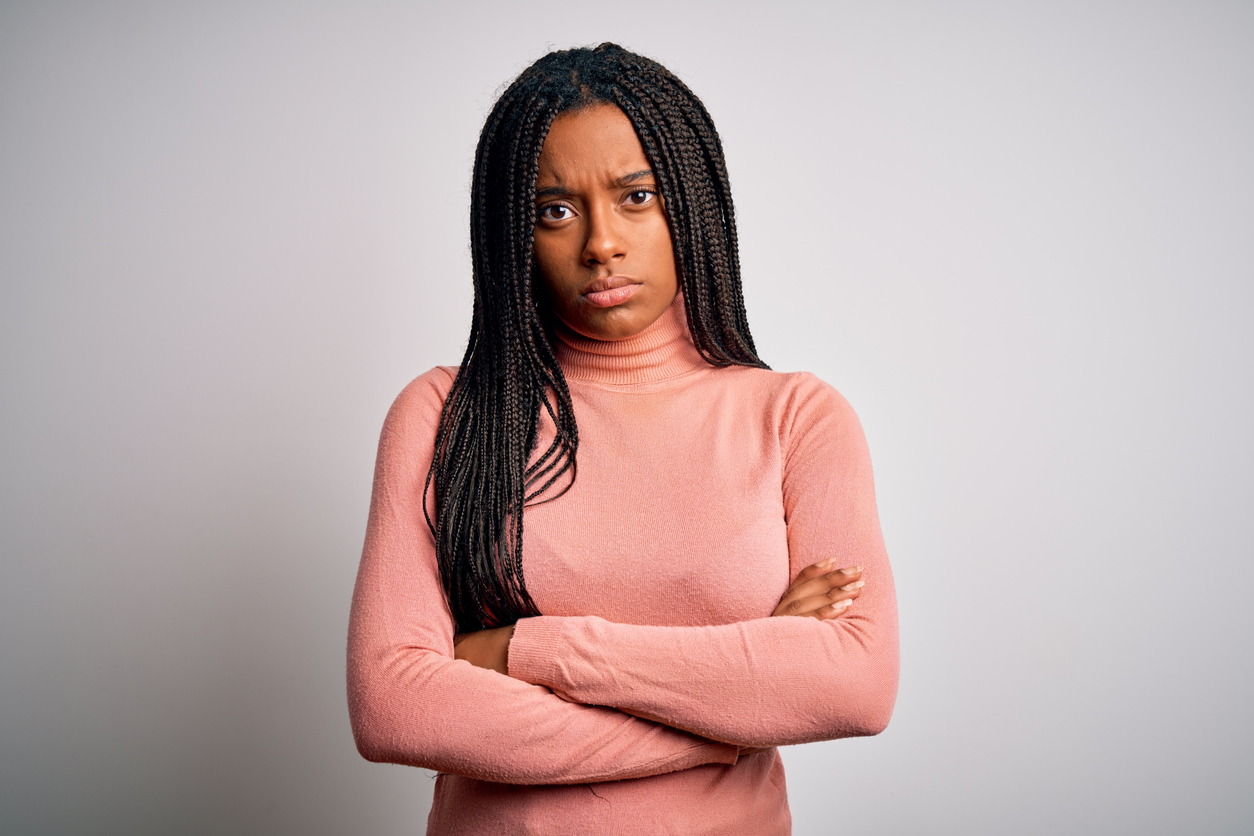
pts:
pixel 601 230
pixel 604 249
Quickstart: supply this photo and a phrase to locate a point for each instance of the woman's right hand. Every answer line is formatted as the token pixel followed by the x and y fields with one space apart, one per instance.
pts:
pixel 821 592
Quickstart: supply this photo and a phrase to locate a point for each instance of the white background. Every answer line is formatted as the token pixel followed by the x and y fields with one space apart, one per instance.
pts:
pixel 1017 236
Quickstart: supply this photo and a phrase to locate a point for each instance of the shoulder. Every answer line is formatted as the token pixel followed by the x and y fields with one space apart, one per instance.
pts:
pixel 426 390
pixel 804 408
pixel 417 408
pixel 793 396
pixel 809 396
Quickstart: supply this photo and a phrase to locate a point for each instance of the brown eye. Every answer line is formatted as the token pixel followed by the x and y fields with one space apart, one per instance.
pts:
pixel 640 197
pixel 556 212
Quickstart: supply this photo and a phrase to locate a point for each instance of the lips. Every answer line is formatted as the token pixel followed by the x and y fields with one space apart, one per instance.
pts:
pixel 611 291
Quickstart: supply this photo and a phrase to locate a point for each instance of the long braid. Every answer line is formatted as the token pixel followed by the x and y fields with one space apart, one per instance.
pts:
pixel 487 466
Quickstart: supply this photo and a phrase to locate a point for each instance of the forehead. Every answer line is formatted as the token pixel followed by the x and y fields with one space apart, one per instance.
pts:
pixel 594 143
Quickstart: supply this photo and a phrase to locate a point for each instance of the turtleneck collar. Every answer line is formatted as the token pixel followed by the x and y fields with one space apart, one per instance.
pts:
pixel 662 351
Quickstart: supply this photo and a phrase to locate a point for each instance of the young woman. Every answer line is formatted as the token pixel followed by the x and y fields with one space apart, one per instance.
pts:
pixel 578 538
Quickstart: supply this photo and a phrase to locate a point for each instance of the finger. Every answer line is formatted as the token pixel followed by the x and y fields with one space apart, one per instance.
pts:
pixel 833 610
pixel 823 567
pixel 841 578
pixel 814 570
pixel 823 609
pixel 837 602
pixel 809 604
pixel 802 604
pixel 832 580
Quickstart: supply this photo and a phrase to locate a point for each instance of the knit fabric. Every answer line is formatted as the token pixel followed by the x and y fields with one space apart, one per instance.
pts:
pixel 701 492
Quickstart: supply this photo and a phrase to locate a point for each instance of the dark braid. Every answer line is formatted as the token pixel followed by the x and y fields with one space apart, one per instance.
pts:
pixel 486 468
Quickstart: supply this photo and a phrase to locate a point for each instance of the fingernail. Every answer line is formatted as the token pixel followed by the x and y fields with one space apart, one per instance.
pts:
pixel 855 570
pixel 824 563
pixel 840 605
pixel 850 587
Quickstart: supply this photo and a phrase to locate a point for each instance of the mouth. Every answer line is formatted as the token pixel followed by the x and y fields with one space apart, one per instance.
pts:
pixel 611 291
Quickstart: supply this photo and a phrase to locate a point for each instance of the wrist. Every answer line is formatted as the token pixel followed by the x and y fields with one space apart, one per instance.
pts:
pixel 532 650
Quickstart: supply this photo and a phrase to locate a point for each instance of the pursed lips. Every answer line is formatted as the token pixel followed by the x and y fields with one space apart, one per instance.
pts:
pixel 610 291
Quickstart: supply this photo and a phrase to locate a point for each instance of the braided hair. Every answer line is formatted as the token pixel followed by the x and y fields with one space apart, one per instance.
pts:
pixel 484 471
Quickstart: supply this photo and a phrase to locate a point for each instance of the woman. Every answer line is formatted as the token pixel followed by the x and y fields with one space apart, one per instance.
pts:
pixel 616 669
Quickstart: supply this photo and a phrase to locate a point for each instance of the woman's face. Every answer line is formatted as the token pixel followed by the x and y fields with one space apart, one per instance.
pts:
pixel 601 238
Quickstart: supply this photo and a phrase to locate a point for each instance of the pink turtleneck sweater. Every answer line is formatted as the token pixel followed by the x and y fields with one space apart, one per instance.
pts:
pixel 701 492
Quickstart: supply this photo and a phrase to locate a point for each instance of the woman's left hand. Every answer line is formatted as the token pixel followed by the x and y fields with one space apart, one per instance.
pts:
pixel 485 648
pixel 821 591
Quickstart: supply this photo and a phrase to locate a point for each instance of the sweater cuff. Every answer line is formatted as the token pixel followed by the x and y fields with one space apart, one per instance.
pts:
pixel 532 655
pixel 722 753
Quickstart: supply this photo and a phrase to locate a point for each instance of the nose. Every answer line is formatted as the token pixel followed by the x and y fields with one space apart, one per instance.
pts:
pixel 605 242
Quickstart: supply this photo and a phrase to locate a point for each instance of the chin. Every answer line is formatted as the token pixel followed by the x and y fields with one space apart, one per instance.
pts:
pixel 615 324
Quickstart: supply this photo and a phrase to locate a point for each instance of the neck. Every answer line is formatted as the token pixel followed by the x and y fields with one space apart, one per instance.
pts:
pixel 661 351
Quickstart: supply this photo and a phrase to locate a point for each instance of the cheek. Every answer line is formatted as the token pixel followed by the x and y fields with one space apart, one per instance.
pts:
pixel 546 263
pixel 558 286
pixel 663 254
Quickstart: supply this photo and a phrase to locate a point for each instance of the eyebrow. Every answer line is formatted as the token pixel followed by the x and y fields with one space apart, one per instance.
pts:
pixel 633 177
pixel 626 179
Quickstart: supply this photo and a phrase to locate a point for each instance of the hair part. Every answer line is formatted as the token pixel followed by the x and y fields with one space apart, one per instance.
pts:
pixel 484 470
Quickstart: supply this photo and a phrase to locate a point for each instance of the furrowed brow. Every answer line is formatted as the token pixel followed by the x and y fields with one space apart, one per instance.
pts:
pixel 627 179
pixel 553 191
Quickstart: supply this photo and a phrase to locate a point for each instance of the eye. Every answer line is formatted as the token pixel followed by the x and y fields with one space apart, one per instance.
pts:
pixel 555 212
pixel 640 197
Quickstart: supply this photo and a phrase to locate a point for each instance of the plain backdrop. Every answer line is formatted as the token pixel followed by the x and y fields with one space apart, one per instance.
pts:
pixel 1019 237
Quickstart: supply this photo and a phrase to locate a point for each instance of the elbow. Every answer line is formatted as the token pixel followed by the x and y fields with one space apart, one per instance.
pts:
pixel 874 678
pixel 370 745
pixel 388 709
pixel 861 711
pixel 875 718
pixel 369 750
pixel 379 739
pixel 876 702
pixel 368 730
pixel 850 709
pixel 377 732
pixel 869 718
pixel 863 693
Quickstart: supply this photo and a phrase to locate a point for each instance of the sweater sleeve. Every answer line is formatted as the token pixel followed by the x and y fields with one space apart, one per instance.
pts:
pixel 768 681
pixel 412 703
